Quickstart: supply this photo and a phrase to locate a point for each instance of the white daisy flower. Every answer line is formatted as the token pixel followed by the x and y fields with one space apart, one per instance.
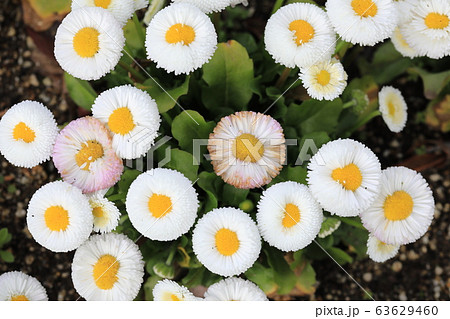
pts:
pixel 162 204
pixel 208 6
pixel 364 22
pixel 106 214
pixel 403 209
pixel 404 8
pixel 180 38
pixel 17 286
pixel 344 177
pixel 59 217
pixel 428 32
pixel 108 267
pixel 122 10
pixel 401 45
pixel 325 80
pixel 84 156
pixel 247 149
pixel 379 251
pixel 226 241
pixel 393 108
pixel 288 217
pixel 27 133
pixel 132 116
pixel 89 43
pixel 235 289
pixel 299 34
pixel 168 290
pixel 140 4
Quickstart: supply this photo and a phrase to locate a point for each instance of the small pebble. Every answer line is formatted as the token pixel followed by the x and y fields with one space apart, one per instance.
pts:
pixel 438 270
pixel 397 266
pixel 403 296
pixel 33 80
pixel 367 277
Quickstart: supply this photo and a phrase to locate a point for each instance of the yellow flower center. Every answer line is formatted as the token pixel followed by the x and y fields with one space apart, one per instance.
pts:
pixel 89 153
pixel 102 3
pixel 121 121
pixel 19 298
pixel 86 43
pixel 98 212
pixel 348 176
pixel 248 148
pixel 291 215
pixel 364 8
pixel 180 33
pixel 304 31
pixel 323 78
pixel 105 272
pixel 23 132
pixel 436 21
pixel 227 241
pixel 159 205
pixel 391 109
pixel 56 218
pixel 398 206
pixel 174 298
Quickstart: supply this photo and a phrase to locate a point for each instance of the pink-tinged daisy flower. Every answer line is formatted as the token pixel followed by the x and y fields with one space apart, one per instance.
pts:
pixel 84 156
pixel 247 149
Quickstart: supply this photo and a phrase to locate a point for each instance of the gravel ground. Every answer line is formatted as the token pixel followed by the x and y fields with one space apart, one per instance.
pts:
pixel 21 78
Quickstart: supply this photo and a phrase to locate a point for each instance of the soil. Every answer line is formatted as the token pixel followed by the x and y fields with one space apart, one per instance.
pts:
pixel 419 272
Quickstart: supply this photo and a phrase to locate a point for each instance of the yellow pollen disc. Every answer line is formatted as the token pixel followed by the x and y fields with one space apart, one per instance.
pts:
pixel 102 3
pixel 86 43
pixel 391 109
pixel 398 206
pixel 436 21
pixel 105 272
pixel 23 132
pixel 56 218
pixel 291 215
pixel 323 78
pixel 348 176
pixel 89 153
pixel 98 212
pixel 364 8
pixel 304 31
pixel 121 121
pixel 248 148
pixel 159 205
pixel 174 298
pixel 227 242
pixel 180 33
pixel 19 298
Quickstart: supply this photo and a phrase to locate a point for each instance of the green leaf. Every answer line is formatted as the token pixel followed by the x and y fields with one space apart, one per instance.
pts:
pixel 132 36
pixel 283 275
pixel 433 83
pixel 306 281
pixel 353 221
pixel 340 256
pixel 47 8
pixel 3 236
pixel 212 185
pixel 229 76
pixel 289 173
pixel 189 126
pixel 149 285
pixel 80 91
pixel 233 196
pixel 313 116
pixel 165 99
pixel 183 162
pixel 128 176
pixel 7 256
pixel 263 277
pixel 329 225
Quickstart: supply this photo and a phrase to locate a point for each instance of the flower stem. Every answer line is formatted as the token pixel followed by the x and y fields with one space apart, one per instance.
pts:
pixel 362 121
pixel 283 77
pixel 138 76
pixel 349 104
pixel 170 258
pixel 278 4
